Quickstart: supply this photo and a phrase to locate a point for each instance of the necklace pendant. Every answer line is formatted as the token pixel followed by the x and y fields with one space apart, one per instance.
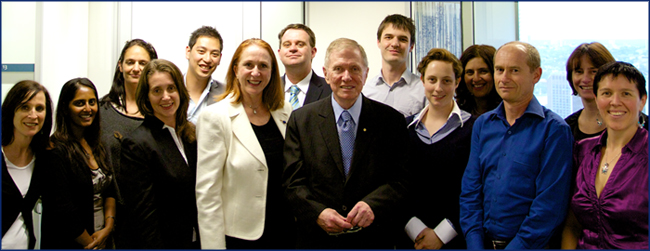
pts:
pixel 254 111
pixel 605 168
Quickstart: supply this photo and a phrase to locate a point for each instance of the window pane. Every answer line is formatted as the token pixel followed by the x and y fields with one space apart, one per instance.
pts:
pixel 557 28
pixel 438 25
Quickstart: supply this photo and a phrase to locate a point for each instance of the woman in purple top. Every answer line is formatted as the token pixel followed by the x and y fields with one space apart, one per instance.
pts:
pixel 609 207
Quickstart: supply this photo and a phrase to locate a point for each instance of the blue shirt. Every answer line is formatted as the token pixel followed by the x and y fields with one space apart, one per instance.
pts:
pixel 355 112
pixel 517 181
pixel 457 118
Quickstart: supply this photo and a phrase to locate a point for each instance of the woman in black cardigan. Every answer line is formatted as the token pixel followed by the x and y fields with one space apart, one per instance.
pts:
pixel 79 200
pixel 440 137
pixel 26 125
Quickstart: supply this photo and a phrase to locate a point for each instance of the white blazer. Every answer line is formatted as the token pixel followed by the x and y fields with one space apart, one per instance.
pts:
pixel 232 174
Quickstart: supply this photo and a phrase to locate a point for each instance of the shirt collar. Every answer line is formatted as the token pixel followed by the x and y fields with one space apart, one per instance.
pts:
pixel 636 145
pixel 455 112
pixel 207 87
pixel 355 110
pixel 533 108
pixel 407 78
pixel 302 85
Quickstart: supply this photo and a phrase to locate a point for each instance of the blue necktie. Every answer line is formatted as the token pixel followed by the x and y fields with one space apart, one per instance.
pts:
pixel 347 139
pixel 294 90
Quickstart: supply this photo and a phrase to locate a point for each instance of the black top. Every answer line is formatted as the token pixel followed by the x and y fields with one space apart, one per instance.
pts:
pixel 437 171
pixel 578 135
pixel 272 143
pixel 278 227
pixel 158 187
pixel 68 200
pixel 115 126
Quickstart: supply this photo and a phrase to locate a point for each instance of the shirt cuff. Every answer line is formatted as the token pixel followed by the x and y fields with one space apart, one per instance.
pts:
pixel 445 231
pixel 414 227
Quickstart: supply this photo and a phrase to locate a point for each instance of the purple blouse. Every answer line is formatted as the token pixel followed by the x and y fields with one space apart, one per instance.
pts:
pixel 619 218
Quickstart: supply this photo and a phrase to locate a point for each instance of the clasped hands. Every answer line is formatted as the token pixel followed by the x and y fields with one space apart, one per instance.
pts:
pixel 331 221
pixel 428 239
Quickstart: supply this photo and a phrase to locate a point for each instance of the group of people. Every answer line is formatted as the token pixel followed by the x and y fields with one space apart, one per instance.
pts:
pixel 460 156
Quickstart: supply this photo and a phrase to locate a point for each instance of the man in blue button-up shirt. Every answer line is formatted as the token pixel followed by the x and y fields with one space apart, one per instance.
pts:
pixel 515 190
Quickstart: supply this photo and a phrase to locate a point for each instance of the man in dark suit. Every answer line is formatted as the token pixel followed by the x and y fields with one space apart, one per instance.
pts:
pixel 343 193
pixel 297 50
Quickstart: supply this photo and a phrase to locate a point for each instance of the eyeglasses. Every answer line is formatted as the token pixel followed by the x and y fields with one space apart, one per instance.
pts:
pixel 347 231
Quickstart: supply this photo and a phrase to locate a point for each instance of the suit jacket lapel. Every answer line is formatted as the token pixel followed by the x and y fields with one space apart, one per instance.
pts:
pixel 243 131
pixel 362 140
pixel 280 116
pixel 329 132
pixel 315 89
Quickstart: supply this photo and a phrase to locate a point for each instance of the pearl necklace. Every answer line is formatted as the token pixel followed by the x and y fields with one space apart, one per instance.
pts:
pixel 254 109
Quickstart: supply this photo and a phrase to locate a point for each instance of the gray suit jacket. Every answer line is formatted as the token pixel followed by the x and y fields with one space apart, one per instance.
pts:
pixel 216 89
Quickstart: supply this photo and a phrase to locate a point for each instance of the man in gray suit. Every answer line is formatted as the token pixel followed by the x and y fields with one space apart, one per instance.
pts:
pixel 297 50
pixel 203 54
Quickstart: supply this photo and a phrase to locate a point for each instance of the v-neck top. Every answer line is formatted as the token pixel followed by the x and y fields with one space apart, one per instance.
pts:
pixel 618 219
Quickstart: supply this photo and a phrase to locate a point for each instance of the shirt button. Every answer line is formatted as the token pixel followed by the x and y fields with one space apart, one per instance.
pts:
pixel 495 200
pixel 498 177
pixel 504 154
pixel 509 132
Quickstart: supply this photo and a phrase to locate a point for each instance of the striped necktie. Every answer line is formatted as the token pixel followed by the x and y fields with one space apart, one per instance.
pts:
pixel 294 90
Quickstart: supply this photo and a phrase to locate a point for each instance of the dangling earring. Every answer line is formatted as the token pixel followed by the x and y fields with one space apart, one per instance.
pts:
pixel 642 121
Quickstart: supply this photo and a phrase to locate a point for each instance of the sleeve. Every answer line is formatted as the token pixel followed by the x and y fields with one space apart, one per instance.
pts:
pixel 140 198
pixel 111 190
pixel 59 197
pixel 212 153
pixel 297 192
pixel 471 196
pixel 553 182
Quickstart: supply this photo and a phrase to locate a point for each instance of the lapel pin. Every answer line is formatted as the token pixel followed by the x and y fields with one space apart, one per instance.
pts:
pixel 364 129
pixel 284 122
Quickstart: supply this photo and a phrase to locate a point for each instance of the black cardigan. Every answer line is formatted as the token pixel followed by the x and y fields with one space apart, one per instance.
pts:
pixel 13 202
pixel 437 171
pixel 68 207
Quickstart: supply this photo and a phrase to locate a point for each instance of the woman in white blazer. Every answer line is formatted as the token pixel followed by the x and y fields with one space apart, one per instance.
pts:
pixel 240 140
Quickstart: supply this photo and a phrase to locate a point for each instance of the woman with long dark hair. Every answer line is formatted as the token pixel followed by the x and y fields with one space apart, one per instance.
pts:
pixel 159 163
pixel 26 126
pixel 120 116
pixel 79 201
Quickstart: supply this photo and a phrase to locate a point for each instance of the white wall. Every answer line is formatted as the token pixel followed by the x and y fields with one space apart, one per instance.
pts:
pixel 354 20
pixel 63 45
pixel 168 26
pixel 103 51
pixel 18 41
pixel 276 16
pixel 83 39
